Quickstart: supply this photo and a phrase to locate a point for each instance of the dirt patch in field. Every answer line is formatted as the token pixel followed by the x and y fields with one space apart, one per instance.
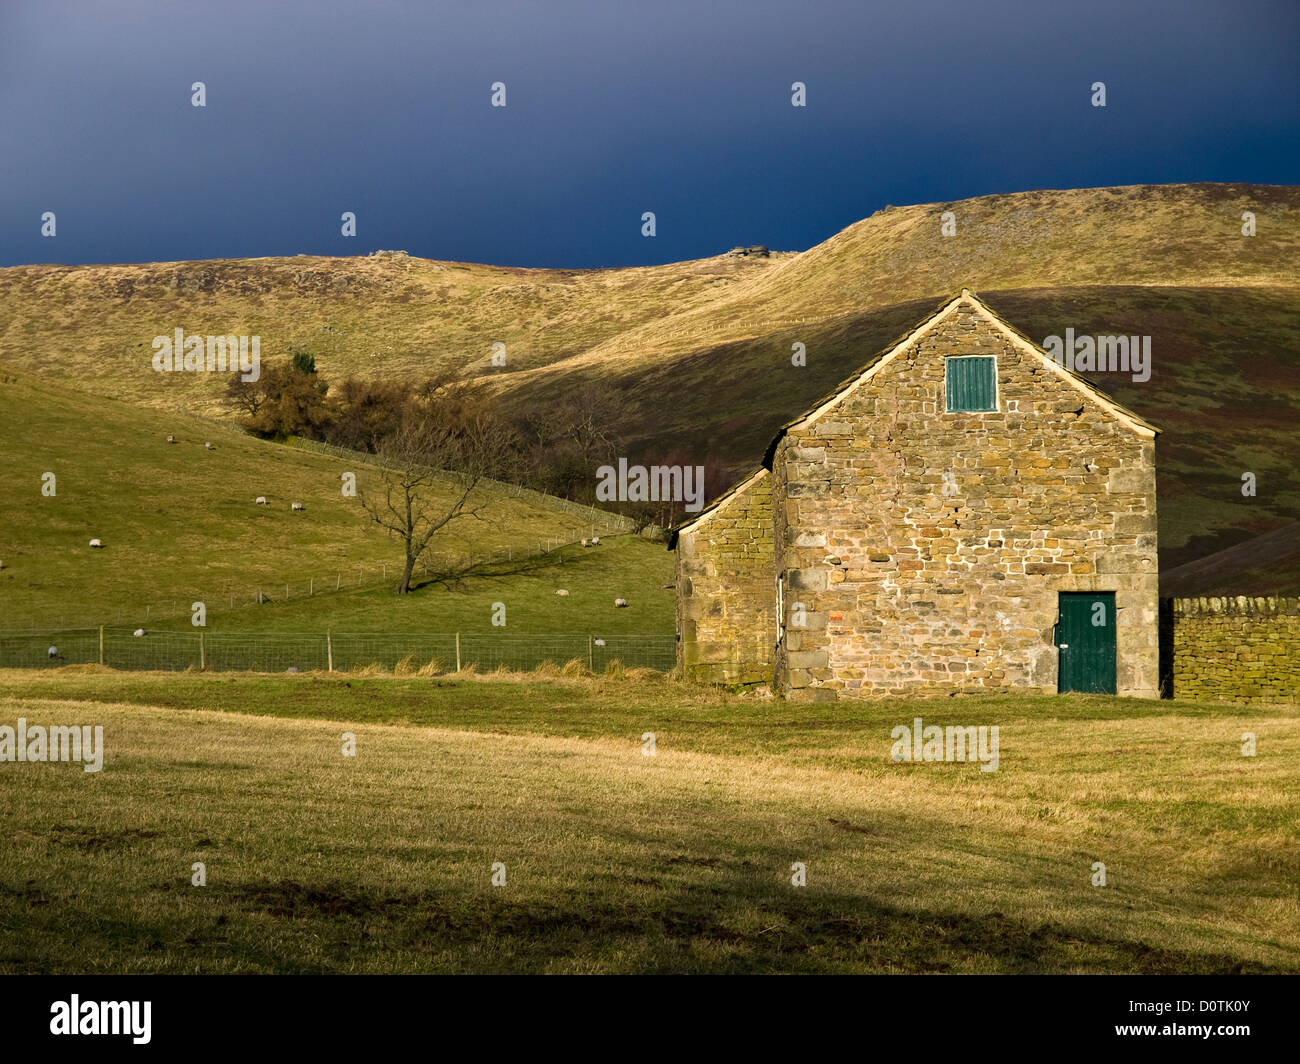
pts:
pixel 97 840
pixel 289 898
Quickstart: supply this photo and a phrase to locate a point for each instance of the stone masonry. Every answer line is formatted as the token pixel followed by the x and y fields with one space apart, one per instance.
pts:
pixel 1236 649
pixel 726 593
pixel 918 550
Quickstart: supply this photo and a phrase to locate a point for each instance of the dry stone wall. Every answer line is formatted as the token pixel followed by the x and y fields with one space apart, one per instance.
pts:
pixel 1236 649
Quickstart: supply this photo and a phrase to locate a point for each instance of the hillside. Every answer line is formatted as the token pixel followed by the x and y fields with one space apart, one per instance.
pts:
pixel 382 315
pixel 1157 235
pixel 1258 566
pixel 389 314
pixel 700 351
pixel 179 525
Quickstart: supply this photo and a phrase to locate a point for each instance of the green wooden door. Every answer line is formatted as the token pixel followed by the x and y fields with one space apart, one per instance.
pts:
pixel 1085 639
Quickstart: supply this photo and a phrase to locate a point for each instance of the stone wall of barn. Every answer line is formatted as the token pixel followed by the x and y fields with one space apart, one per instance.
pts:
pixel 726 591
pixel 928 548
pixel 1236 649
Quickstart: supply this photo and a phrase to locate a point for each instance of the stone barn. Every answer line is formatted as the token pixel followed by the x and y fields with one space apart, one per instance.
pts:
pixel 964 514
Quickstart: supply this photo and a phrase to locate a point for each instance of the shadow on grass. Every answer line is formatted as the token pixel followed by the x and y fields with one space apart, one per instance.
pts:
pixel 737 923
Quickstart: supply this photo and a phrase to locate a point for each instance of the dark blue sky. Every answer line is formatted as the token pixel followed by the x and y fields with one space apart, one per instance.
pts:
pixel 681 108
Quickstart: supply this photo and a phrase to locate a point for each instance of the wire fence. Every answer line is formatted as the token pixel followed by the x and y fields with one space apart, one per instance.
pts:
pixel 430 652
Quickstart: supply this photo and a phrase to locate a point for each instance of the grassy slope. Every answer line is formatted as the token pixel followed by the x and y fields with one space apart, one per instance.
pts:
pixel 624 567
pixel 619 862
pixel 701 349
pixel 1257 566
pixel 179 524
pixel 1186 235
pixel 370 316
pixel 379 315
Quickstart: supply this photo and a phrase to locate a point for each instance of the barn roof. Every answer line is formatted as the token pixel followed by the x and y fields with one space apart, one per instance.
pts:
pixel 717 504
pixel 845 387
pixel 867 371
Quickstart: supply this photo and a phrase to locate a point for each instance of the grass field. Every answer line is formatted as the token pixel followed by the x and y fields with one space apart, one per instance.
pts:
pixel 625 567
pixel 179 525
pixel 619 862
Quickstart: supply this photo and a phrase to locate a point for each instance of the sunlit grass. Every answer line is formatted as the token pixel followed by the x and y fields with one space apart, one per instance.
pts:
pixel 616 861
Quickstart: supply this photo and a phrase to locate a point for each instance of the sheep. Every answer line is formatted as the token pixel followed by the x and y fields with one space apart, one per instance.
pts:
pixel 260 500
pixel 599 642
pixel 620 603
pixel 208 447
pixel 585 543
pixel 96 543
pixel 292 668
pixel 561 592
pixel 138 632
pixel 296 506
pixel 595 541
pixel 2 565
pixel 53 652
pixel 171 439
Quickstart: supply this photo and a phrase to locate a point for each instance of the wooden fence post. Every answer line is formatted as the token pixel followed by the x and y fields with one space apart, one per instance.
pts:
pixel 458 652
pixel 101 644
pixel 591 653
pixel 203 657
pixel 329 649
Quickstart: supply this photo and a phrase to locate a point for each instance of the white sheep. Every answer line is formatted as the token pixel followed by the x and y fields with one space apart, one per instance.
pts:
pixel 208 447
pixel 595 541
pixel 96 543
pixel 296 506
pixel 260 500
pixel 585 543
pixel 171 439
pixel 599 642
pixel 138 632
pixel 561 592
pixel 620 603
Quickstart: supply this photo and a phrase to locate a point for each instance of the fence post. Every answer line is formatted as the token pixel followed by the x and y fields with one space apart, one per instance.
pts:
pixel 311 587
pixel 329 649
pixel 591 650
pixel 203 657
pixel 458 652
pixel 339 582
pixel 101 644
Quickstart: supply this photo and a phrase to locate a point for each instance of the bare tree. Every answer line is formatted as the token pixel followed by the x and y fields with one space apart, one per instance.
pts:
pixel 432 476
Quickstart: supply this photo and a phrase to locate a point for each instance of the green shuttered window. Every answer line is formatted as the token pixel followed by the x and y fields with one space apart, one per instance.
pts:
pixel 972 384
